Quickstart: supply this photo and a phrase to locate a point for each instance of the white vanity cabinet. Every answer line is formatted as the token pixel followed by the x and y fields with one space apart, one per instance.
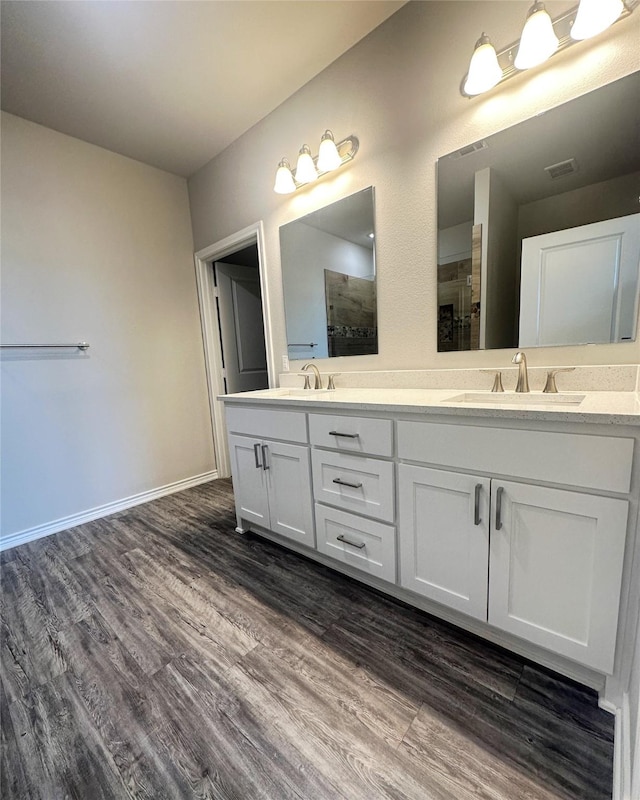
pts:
pixel 542 563
pixel 354 491
pixel 272 479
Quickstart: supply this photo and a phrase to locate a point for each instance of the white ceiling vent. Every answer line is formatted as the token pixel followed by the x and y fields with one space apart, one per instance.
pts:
pixel 562 168
pixel 470 148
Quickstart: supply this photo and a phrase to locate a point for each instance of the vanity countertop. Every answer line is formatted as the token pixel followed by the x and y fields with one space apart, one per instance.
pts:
pixel 610 408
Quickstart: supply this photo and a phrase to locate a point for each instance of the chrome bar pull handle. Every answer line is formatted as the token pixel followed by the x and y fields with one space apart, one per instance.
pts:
pixel 499 492
pixel 340 482
pixel 256 453
pixel 344 435
pixel 359 545
pixel 265 452
pixel 476 505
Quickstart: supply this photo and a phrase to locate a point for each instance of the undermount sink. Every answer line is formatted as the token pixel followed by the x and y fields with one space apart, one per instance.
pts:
pixel 513 399
pixel 304 392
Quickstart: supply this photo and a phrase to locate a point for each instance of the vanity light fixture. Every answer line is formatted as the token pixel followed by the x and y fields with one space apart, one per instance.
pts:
pixel 331 155
pixel 541 38
pixel 538 41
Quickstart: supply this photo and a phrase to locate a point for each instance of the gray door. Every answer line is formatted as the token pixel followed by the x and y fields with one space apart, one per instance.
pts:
pixel 241 327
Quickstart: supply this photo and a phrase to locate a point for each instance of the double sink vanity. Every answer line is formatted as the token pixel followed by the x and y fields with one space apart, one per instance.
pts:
pixel 513 515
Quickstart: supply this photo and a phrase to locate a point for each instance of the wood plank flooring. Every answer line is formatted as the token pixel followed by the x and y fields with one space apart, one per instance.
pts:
pixel 158 654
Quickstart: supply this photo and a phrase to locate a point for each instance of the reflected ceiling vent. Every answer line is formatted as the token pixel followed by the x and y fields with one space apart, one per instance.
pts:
pixel 470 148
pixel 562 168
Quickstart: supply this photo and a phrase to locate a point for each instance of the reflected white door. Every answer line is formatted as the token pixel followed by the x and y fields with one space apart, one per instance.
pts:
pixel 241 327
pixel 580 285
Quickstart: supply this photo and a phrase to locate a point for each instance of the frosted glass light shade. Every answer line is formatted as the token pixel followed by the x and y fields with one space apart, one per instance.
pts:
pixel 484 70
pixel 284 179
pixel 538 41
pixel 328 155
pixel 595 16
pixel 305 168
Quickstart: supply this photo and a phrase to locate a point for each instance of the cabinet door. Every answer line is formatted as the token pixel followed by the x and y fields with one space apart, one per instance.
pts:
pixel 249 480
pixel 289 481
pixel 555 569
pixel 444 537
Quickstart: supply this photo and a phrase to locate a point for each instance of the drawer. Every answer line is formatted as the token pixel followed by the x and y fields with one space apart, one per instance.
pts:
pixel 352 434
pixel 371 490
pixel 290 426
pixel 361 543
pixel 594 462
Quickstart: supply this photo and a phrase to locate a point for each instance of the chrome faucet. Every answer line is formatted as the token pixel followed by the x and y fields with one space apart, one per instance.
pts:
pixel 523 378
pixel 318 379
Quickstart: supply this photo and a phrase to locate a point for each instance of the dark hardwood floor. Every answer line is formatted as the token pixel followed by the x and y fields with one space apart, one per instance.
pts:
pixel 158 654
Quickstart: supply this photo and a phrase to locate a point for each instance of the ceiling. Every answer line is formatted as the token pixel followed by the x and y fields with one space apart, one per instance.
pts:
pixel 169 82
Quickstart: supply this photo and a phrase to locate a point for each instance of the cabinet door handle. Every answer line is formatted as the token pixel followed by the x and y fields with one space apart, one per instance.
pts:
pixel 499 492
pixel 256 453
pixel 345 435
pixel 340 482
pixel 476 505
pixel 359 545
pixel 265 451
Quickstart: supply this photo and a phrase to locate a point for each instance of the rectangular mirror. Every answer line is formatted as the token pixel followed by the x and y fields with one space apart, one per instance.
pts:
pixel 539 228
pixel 329 280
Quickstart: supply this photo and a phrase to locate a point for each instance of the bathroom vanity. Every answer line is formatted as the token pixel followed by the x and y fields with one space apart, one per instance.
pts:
pixel 514 517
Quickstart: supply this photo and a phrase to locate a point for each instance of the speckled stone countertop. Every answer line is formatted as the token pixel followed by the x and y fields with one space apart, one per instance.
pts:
pixel 609 408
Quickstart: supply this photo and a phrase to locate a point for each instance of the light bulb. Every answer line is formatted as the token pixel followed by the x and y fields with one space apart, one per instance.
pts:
pixel 484 70
pixel 284 179
pixel 595 16
pixel 328 155
pixel 538 41
pixel 305 168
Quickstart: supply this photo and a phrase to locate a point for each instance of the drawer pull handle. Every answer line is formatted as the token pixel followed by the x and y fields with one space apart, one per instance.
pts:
pixel 476 506
pixel 345 435
pixel 340 482
pixel 499 508
pixel 265 463
pixel 359 545
pixel 256 453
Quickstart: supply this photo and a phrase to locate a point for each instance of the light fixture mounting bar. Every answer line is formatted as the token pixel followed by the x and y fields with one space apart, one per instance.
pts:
pixel 347 148
pixel 562 28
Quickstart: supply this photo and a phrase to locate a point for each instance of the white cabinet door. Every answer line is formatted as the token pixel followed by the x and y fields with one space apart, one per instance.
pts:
pixel 272 486
pixel 249 479
pixel 289 488
pixel 444 537
pixel 555 569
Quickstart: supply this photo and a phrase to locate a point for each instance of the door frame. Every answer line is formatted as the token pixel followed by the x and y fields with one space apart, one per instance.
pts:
pixel 252 234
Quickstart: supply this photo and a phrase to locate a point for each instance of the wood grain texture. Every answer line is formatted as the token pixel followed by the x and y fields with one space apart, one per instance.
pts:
pixel 158 654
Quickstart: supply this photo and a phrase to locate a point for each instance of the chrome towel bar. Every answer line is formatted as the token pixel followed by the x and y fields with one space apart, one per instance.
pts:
pixel 79 345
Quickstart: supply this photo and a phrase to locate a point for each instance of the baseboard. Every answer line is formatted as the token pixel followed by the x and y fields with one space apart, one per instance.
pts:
pixel 40 531
pixel 622 752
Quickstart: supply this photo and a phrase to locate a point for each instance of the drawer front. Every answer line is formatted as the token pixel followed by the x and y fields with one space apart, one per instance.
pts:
pixel 361 543
pixel 354 483
pixel 352 434
pixel 290 426
pixel 593 462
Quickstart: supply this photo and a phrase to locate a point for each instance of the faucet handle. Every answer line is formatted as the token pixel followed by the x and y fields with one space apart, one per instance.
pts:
pixel 331 384
pixel 497 381
pixel 307 381
pixel 550 386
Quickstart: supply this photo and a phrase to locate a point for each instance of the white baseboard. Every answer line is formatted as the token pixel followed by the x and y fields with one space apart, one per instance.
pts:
pixel 622 752
pixel 31 534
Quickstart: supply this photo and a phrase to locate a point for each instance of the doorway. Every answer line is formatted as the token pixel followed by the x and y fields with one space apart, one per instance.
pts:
pixel 234 315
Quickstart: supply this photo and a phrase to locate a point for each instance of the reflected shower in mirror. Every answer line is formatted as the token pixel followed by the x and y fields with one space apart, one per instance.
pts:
pixel 539 228
pixel 329 280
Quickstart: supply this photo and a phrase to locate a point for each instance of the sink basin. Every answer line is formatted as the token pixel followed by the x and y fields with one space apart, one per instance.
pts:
pixel 304 392
pixel 513 399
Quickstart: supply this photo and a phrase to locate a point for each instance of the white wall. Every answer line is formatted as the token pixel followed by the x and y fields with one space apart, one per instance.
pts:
pixel 312 251
pixel 98 247
pixel 398 91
